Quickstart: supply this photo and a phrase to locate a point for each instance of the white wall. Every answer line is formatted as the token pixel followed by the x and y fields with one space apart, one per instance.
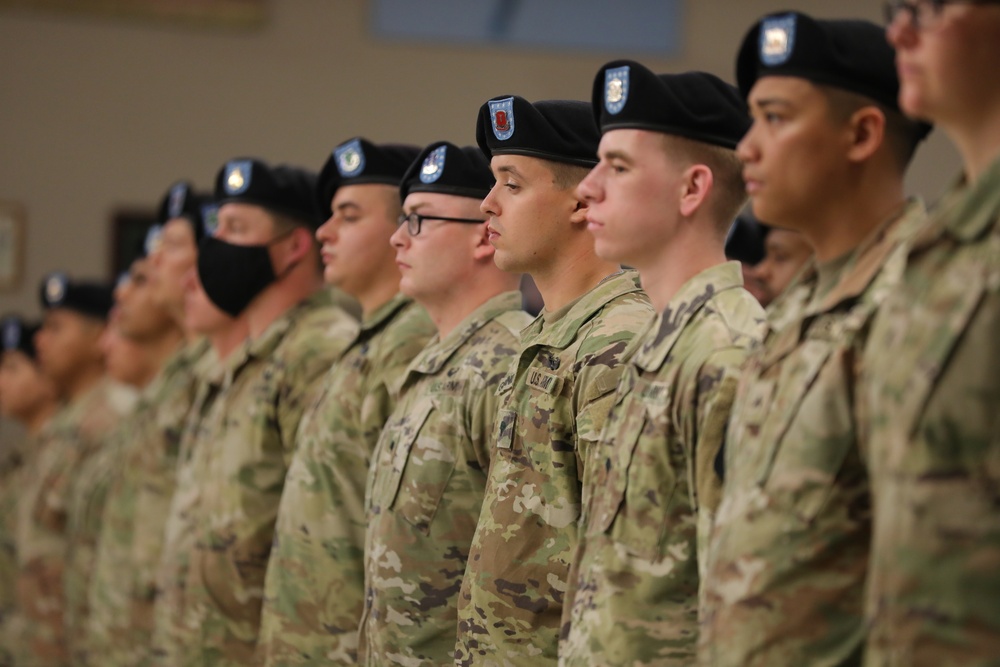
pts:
pixel 96 115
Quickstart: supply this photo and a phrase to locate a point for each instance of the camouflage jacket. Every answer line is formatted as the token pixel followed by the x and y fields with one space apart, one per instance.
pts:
pixel 655 486
pixel 54 563
pixel 248 438
pixel 553 405
pixel 88 493
pixel 175 627
pixel 130 540
pixel 427 487
pixel 932 376
pixel 314 588
pixel 787 558
pixel 12 467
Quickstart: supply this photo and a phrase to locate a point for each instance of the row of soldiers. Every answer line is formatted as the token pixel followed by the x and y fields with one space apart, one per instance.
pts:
pixel 654 471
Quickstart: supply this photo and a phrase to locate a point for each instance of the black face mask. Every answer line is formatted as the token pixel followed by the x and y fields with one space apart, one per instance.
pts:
pixel 232 275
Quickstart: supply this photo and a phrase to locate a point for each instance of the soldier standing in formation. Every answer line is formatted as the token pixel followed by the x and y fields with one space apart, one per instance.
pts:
pixel 933 367
pixel 431 462
pixel 826 156
pixel 661 199
pixel 557 394
pixel 314 589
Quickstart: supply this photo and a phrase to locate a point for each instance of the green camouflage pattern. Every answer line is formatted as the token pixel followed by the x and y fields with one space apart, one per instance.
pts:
pixel 553 405
pixel 130 541
pixel 248 438
pixel 789 550
pixel 933 386
pixel 428 484
pixel 655 487
pixel 53 561
pixel 314 587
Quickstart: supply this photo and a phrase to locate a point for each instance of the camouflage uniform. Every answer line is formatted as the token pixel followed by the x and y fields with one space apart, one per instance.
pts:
pixel 789 549
pixel 553 405
pixel 313 591
pixel 122 586
pixel 173 629
pixel 427 487
pixel 11 481
pixel 655 488
pixel 49 571
pixel 247 440
pixel 933 384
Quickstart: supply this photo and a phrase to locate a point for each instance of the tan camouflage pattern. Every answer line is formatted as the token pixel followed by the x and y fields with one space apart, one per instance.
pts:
pixel 53 561
pixel 553 405
pixel 248 438
pixel 88 492
pixel 789 549
pixel 176 632
pixel 655 487
pixel 12 463
pixel 428 484
pixel 129 544
pixel 932 372
pixel 314 588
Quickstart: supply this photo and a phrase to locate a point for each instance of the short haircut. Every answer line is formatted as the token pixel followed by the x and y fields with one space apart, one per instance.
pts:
pixel 729 192
pixel 566 176
pixel 902 134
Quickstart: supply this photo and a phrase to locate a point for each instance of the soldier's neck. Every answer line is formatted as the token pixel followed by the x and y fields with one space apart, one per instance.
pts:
pixel 85 380
pixel 663 275
pixel 36 421
pixel 571 276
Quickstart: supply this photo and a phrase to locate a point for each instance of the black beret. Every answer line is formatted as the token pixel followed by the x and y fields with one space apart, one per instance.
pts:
pixel 17 334
pixel 182 201
pixel 556 130
pixel 852 55
pixel 447 169
pixel 87 298
pixel 360 162
pixel 746 239
pixel 694 105
pixel 281 189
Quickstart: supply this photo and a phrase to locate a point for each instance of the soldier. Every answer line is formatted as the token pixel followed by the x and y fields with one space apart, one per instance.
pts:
pixel 313 592
pixel 661 199
pixel 28 397
pixel 786 251
pixel 262 260
pixel 433 457
pixel 826 156
pixel 122 587
pixel 69 353
pixel 934 370
pixel 556 397
pixel 171 634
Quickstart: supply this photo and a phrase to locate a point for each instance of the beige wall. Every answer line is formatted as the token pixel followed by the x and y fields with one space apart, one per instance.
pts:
pixel 96 115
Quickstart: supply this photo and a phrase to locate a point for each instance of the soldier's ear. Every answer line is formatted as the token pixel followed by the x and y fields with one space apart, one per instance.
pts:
pixel 579 215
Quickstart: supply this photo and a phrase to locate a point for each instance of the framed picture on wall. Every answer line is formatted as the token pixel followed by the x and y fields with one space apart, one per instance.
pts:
pixel 12 230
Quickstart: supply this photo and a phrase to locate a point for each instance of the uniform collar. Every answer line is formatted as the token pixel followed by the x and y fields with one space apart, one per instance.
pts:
pixel 437 353
pixel 691 298
pixel 558 329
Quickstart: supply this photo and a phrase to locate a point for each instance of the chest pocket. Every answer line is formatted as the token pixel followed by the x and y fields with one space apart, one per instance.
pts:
pixel 799 436
pixel 532 413
pixel 644 470
pixel 422 465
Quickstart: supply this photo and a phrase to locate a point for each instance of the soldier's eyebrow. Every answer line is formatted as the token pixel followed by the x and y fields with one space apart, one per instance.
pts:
pixel 346 204
pixel 509 169
pixel 616 155
pixel 769 102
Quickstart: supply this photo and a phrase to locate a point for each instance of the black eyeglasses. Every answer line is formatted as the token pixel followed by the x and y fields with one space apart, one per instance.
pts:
pixel 414 220
pixel 924 13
